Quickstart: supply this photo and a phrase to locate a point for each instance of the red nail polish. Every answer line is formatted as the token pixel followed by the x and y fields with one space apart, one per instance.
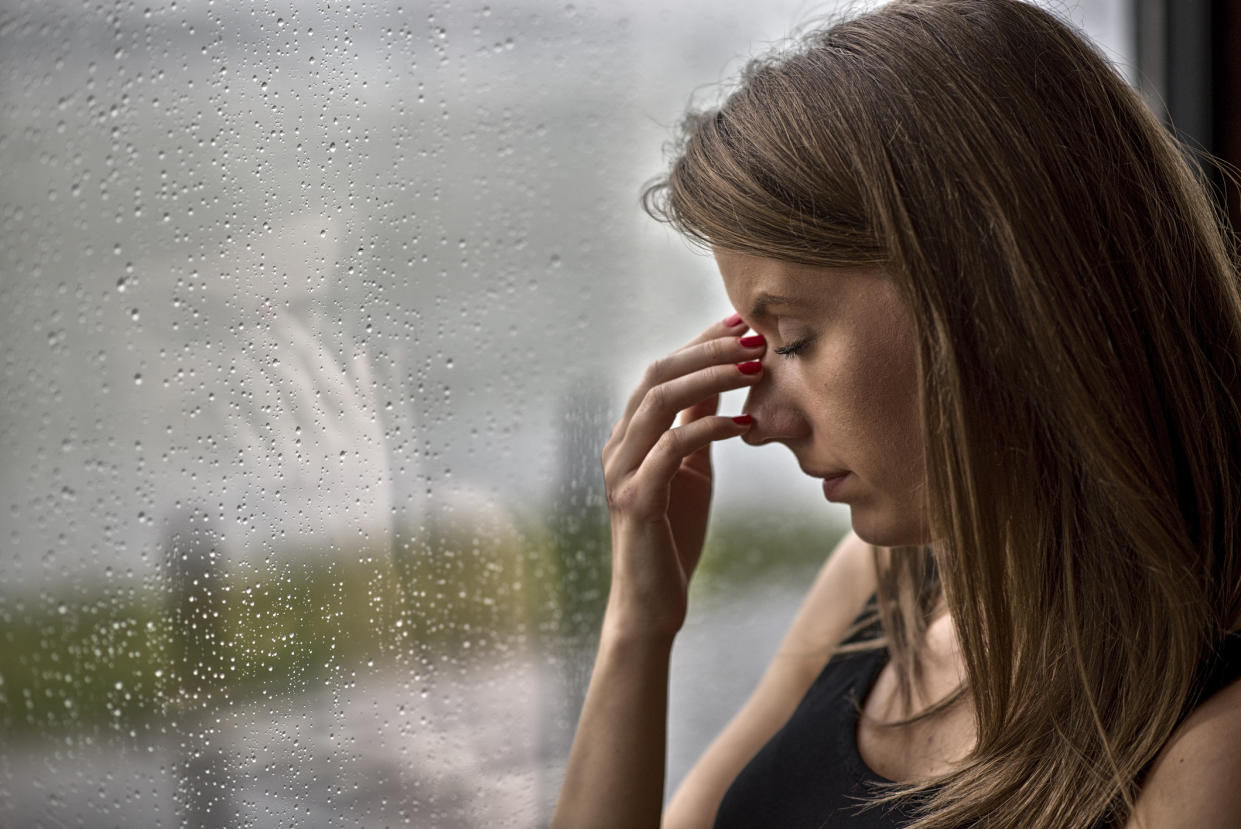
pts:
pixel 743 420
pixel 752 340
pixel 733 321
pixel 752 367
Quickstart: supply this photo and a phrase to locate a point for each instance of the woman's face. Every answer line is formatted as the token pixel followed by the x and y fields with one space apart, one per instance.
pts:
pixel 843 395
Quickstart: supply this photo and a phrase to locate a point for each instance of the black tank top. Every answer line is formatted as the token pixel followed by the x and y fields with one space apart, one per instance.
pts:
pixel 810 775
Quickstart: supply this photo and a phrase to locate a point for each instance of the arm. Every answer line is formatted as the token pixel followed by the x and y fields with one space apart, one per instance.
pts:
pixel 615 774
pixel 838 594
pixel 658 482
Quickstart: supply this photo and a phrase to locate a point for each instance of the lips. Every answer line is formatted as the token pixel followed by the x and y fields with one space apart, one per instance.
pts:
pixel 830 473
pixel 834 485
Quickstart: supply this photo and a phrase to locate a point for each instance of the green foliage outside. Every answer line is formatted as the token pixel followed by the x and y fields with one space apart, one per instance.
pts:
pixel 124 660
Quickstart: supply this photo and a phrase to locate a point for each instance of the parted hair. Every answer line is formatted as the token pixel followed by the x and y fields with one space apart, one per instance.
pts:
pixel 1078 325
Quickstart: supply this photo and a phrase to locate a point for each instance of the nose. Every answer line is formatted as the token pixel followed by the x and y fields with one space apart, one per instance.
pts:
pixel 777 417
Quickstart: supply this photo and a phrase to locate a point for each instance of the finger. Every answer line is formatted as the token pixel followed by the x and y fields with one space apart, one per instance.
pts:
pixel 675 445
pixel 700 461
pixel 715 351
pixel 701 409
pixel 732 326
pixel 659 408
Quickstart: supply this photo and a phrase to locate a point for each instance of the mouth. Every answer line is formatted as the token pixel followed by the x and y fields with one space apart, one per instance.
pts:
pixel 834 483
pixel 826 474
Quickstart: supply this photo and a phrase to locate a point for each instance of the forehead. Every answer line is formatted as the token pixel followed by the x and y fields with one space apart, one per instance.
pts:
pixel 758 286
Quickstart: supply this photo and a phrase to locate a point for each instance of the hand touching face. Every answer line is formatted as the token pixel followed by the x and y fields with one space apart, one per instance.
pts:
pixel 840 385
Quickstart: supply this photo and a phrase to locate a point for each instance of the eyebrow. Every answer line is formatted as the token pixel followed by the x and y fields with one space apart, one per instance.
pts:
pixel 765 300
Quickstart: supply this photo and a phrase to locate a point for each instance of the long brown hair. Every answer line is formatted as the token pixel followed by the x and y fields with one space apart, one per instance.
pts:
pixel 1079 332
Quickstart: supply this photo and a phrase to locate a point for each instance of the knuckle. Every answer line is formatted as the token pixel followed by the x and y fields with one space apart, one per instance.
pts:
pixel 613 474
pixel 614 438
pixel 670 442
pixel 655 371
pixel 656 397
pixel 718 350
pixel 631 406
pixel 625 498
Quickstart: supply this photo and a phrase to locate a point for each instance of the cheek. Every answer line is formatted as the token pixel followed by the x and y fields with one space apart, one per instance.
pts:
pixel 872 391
pixel 895 397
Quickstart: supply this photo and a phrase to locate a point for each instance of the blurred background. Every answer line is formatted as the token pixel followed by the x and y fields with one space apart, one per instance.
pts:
pixel 315 316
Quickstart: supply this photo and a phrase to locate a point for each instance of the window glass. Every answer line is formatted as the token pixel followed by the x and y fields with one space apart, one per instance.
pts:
pixel 315 316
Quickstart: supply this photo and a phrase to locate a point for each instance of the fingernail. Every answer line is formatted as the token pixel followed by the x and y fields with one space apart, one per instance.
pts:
pixel 743 420
pixel 752 340
pixel 733 321
pixel 752 367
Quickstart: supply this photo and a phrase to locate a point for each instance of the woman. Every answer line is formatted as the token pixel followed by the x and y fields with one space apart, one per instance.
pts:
pixel 1007 331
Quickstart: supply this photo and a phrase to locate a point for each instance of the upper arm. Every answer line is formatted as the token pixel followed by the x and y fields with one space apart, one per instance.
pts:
pixel 1194 779
pixel 839 592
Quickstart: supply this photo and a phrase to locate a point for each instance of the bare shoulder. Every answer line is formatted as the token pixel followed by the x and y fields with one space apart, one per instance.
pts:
pixel 1194 779
pixel 840 590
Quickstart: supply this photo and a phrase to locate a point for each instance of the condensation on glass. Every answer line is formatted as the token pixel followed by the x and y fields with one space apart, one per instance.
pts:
pixel 315 316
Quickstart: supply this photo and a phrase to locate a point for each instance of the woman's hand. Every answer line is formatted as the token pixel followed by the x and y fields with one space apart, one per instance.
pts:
pixel 659 488
pixel 658 477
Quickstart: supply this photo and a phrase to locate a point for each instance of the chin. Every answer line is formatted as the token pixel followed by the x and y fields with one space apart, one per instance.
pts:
pixel 887 530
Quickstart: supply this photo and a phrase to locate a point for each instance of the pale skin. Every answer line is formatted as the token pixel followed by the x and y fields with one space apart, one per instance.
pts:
pixel 845 398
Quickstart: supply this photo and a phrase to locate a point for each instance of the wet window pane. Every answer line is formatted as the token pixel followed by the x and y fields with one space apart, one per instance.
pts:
pixel 315 317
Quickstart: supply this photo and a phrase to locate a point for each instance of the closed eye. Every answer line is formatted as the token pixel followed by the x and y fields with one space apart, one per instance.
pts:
pixel 794 348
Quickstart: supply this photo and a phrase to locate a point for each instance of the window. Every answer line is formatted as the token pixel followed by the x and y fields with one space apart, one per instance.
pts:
pixel 315 318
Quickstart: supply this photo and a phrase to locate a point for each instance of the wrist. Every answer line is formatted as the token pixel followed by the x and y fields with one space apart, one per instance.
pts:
pixel 630 631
